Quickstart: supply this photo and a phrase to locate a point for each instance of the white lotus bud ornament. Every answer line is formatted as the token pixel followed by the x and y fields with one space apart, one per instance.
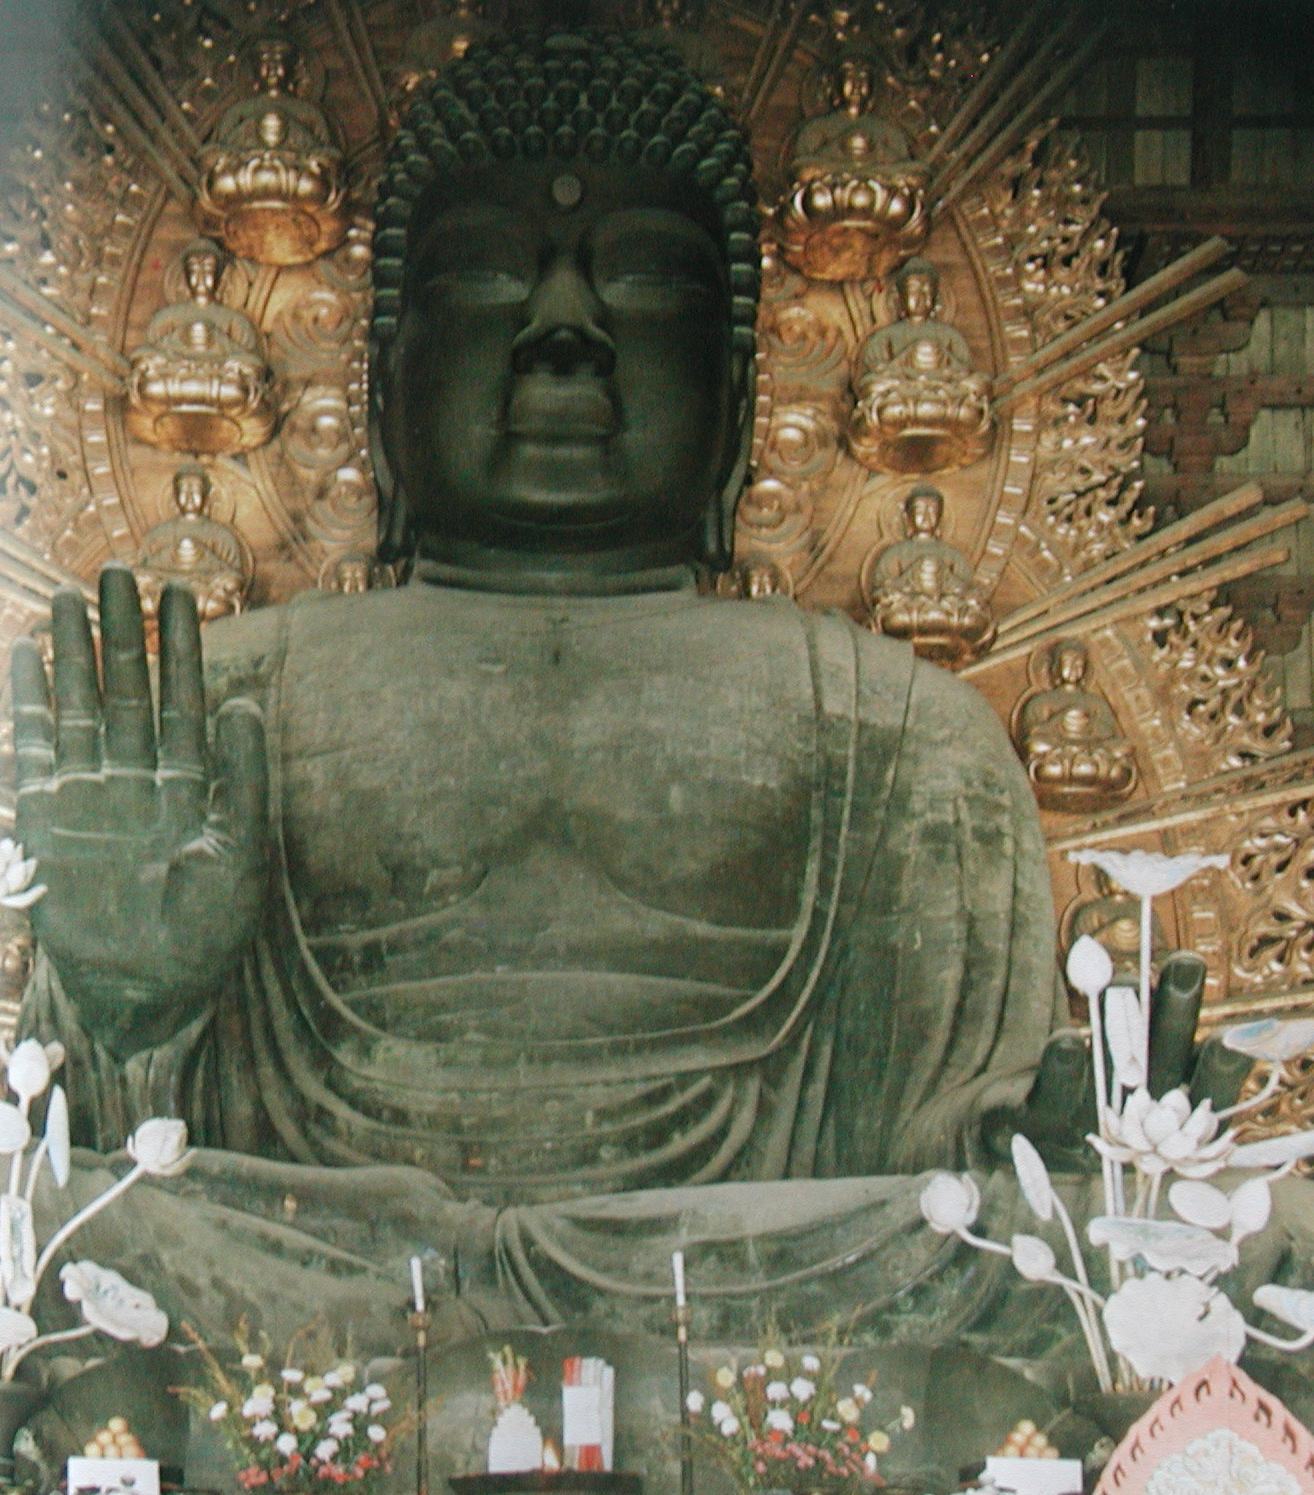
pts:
pixel 1089 967
pixel 28 1071
pixel 950 1203
pixel 159 1147
pixel 1158 1136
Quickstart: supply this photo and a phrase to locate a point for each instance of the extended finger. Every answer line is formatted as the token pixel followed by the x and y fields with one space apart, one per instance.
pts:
pixel 1219 1074
pixel 77 695
pixel 182 694
pixel 1173 1017
pixel 1060 1096
pixel 239 802
pixel 129 724
pixel 34 722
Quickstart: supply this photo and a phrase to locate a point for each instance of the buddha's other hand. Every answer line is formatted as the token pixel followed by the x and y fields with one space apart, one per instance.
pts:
pixel 152 850
pixel 1060 1109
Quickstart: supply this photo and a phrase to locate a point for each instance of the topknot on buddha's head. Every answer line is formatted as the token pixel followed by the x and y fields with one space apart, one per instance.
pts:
pixel 587 95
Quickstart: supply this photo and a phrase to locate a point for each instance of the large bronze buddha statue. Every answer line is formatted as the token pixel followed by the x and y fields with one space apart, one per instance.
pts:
pixel 609 915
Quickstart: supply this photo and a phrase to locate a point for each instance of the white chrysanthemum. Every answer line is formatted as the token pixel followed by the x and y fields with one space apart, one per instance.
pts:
pixel 263 1430
pixel 801 1389
pixel 695 1402
pixel 779 1420
pixel 777 1391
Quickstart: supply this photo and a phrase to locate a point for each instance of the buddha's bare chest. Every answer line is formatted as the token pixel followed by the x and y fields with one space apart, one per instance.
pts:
pixel 542 768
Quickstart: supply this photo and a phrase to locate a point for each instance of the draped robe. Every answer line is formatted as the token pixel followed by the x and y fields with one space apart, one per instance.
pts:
pixel 596 926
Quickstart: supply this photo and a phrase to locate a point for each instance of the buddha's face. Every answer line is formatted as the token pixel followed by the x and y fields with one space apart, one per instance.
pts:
pixel 273 66
pixel 561 381
pixel 924 512
pixel 856 85
pixel 1069 664
pixel 191 489
pixel 917 295
pixel 201 273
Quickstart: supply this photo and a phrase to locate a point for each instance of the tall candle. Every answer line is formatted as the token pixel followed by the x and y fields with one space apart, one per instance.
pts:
pixel 417 1284
pixel 677 1266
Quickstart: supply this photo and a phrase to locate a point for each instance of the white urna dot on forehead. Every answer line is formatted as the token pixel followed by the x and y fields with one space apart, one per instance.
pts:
pixel 567 191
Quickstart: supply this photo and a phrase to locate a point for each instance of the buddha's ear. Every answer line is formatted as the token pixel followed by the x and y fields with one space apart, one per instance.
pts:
pixel 719 524
pixel 394 542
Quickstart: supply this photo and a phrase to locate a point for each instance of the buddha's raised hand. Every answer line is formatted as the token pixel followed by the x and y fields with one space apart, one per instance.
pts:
pixel 153 849
pixel 1059 1111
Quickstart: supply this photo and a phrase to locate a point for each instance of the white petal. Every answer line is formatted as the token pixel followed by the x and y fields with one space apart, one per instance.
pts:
pixel 1089 968
pixel 1124 1027
pixel 1033 1177
pixel 57 1140
pixel 1201 1204
pixel 24 899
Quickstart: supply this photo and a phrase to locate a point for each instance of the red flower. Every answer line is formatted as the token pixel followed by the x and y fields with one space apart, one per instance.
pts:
pixel 852 1434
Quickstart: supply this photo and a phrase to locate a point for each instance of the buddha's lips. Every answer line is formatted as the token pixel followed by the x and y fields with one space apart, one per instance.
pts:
pixel 549 407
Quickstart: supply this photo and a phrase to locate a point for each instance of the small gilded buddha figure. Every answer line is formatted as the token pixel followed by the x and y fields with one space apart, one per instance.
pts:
pixel 1113 917
pixel 1075 756
pixel 856 206
pixel 920 405
pixel 200 381
pixel 923 590
pixel 273 182
pixel 192 549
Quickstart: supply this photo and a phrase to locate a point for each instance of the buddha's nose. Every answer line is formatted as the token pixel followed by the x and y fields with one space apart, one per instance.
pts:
pixel 565 334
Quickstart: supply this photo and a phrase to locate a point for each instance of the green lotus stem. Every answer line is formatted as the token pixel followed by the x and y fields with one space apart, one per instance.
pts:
pixel 59 1336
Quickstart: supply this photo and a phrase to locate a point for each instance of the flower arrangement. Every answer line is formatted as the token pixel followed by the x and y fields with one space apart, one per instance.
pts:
pixel 1164 1315
pixel 296 1425
pixel 786 1421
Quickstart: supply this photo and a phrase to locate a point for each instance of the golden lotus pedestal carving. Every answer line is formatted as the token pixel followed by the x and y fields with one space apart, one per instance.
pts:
pixel 199 382
pixel 920 406
pixel 272 186
pixel 921 589
pixel 1075 756
pixel 857 206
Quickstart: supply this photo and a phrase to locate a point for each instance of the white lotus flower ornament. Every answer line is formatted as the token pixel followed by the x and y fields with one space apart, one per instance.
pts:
pixel 16 887
pixel 1157 1136
pixel 1089 967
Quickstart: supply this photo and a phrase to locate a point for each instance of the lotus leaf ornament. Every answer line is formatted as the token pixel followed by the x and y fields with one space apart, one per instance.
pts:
pixel 1270 1039
pixel 1169 1326
pixel 1147 873
pixel 1163 1244
pixel 1293 1305
pixel 1166 1135
pixel 113 1305
pixel 950 1203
